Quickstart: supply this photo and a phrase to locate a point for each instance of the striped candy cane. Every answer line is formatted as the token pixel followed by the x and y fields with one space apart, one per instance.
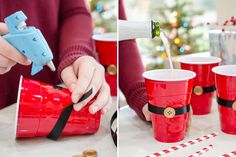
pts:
pixel 202 151
pixel 233 153
pixel 183 145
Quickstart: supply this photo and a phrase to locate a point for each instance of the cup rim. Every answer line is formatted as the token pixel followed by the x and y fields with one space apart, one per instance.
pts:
pixel 190 75
pixel 199 60
pixel 18 105
pixel 225 70
pixel 105 37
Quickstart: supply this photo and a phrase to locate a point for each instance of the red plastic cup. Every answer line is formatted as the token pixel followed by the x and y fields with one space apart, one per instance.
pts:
pixel 106 47
pixel 225 78
pixel 169 89
pixel 39 106
pixel 201 102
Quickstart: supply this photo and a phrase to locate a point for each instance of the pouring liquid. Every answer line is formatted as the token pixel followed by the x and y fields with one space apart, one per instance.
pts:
pixel 167 47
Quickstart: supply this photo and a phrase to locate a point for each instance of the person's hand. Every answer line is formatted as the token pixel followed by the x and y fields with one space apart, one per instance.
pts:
pixel 86 73
pixel 189 118
pixel 147 115
pixel 9 56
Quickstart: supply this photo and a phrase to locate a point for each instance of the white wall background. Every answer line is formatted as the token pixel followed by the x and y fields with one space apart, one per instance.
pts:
pixel 225 10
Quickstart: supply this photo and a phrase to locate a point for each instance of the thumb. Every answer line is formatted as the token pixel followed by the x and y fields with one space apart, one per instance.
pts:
pixel 69 78
pixel 3 28
pixel 146 113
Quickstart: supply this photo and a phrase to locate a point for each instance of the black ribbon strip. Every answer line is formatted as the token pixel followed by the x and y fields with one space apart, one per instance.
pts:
pixel 208 89
pixel 113 133
pixel 225 103
pixel 57 87
pixel 62 120
pixel 160 110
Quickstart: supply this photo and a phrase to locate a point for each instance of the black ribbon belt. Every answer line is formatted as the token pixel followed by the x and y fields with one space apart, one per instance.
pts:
pixel 226 103
pixel 63 118
pixel 198 90
pixel 168 112
pixel 113 133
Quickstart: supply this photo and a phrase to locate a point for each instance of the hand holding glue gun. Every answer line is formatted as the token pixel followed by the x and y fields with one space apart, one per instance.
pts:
pixel 23 44
pixel 9 55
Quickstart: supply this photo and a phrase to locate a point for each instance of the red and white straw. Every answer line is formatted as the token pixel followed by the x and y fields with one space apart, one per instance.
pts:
pixel 183 145
pixel 233 153
pixel 202 151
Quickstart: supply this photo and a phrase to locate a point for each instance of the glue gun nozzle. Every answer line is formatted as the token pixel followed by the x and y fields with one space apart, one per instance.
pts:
pixel 51 66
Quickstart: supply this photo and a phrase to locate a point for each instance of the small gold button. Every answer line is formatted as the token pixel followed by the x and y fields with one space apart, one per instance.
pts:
pixel 169 112
pixel 198 90
pixel 234 106
pixel 111 69
pixel 90 153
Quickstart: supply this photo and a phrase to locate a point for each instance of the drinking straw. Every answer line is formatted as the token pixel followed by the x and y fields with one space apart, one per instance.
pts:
pixel 183 145
pixel 233 153
pixel 202 151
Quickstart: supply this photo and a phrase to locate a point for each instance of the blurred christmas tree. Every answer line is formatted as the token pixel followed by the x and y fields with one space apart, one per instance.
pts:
pixel 104 15
pixel 184 34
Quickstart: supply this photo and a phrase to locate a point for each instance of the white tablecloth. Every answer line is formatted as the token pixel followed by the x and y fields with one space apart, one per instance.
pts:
pixel 43 147
pixel 136 136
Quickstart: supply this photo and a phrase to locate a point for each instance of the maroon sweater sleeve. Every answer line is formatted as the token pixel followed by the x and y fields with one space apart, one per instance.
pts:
pixel 130 72
pixel 75 32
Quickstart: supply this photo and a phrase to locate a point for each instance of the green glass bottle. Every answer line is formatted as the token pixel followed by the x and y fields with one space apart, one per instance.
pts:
pixel 155 29
pixel 138 29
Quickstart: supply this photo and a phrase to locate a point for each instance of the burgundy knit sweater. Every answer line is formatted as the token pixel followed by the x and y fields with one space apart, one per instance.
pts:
pixel 67 27
pixel 131 68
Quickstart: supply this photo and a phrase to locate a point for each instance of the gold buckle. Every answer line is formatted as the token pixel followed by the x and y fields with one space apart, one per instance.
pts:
pixel 169 112
pixel 111 69
pixel 198 90
pixel 234 106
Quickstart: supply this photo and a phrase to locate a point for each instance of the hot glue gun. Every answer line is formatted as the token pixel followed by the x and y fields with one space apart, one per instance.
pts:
pixel 29 41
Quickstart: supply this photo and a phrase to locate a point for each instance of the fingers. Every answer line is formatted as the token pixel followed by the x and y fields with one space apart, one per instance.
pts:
pixel 10 52
pixel 85 67
pixel 3 28
pixel 5 62
pixel 69 78
pixel 146 113
pixel 102 99
pixel 96 83
pixel 189 119
pixel 4 70
pixel 107 106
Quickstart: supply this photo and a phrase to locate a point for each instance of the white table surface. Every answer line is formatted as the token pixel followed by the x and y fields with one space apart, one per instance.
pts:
pixel 136 136
pixel 64 147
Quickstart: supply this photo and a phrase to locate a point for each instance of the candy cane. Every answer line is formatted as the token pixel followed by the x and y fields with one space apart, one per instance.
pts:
pixel 233 153
pixel 202 151
pixel 183 145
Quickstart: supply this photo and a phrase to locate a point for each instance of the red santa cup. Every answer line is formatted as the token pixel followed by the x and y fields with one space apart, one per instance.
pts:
pixel 106 47
pixel 225 78
pixel 204 84
pixel 39 106
pixel 169 94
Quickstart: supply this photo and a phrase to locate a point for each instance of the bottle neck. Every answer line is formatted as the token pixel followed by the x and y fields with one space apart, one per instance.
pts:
pixel 155 29
pixel 138 29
